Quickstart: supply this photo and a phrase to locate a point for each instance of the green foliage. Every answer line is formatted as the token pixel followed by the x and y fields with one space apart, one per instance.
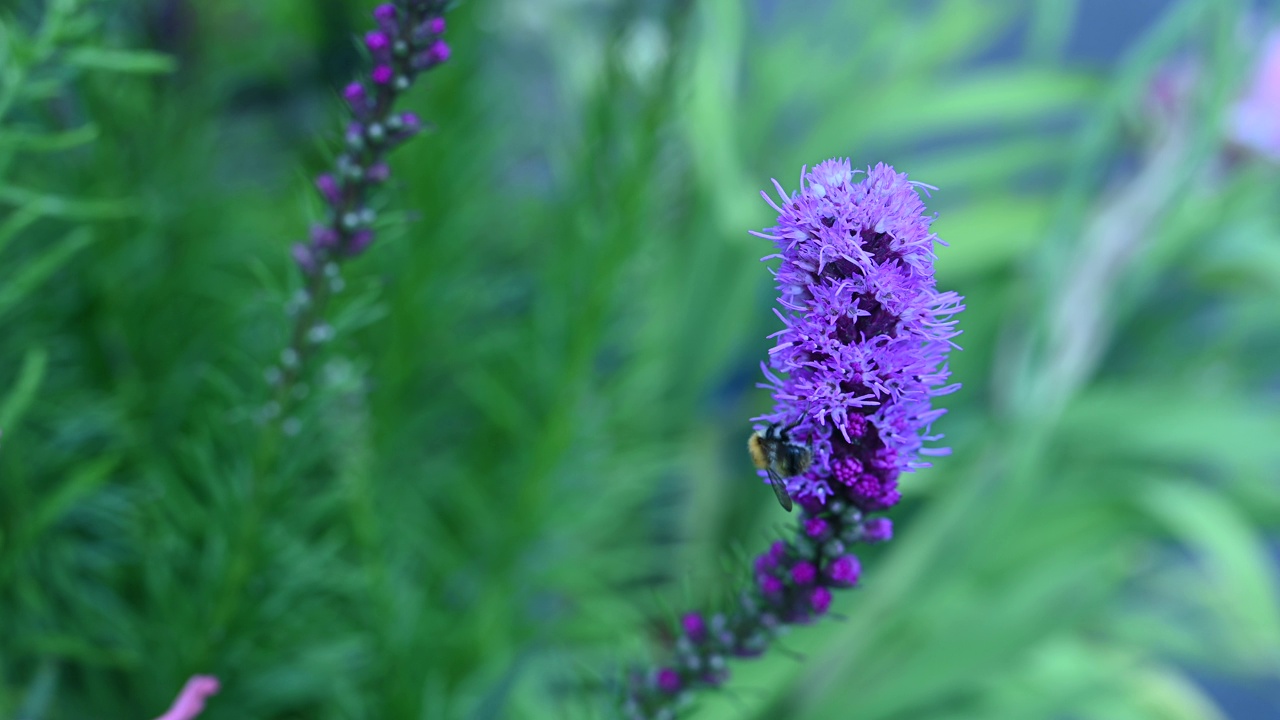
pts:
pixel 522 452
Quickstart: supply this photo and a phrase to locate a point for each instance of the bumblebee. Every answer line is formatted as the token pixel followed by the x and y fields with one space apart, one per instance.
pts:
pixel 777 454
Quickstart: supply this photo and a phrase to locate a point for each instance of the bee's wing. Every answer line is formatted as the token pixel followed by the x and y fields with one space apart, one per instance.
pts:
pixel 780 489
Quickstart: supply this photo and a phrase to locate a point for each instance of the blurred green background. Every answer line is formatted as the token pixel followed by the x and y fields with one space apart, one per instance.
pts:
pixel 522 454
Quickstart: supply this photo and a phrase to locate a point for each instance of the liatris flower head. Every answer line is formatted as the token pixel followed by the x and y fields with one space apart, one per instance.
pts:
pixel 855 369
pixel 862 351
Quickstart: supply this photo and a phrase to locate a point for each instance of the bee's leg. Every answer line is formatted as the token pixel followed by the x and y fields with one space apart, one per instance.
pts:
pixel 795 424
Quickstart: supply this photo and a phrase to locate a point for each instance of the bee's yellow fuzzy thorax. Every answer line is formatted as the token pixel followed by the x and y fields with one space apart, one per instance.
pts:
pixel 755 445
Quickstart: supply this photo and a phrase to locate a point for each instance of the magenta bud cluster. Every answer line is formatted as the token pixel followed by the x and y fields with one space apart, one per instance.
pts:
pixel 793 584
pixel 407 41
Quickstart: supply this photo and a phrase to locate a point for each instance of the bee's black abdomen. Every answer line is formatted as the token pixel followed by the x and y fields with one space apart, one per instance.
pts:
pixel 795 459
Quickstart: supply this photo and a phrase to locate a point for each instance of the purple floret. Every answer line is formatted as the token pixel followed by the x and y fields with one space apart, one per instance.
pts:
pixel 668 680
pixel 845 571
pixel 877 530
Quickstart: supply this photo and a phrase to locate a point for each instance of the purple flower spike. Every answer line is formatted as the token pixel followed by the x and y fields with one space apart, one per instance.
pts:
pixel 854 372
pixel 845 571
pixel 820 599
pixel 350 188
pixel 863 349
pixel 803 573
pixel 877 530
pixel 668 681
pixel 694 626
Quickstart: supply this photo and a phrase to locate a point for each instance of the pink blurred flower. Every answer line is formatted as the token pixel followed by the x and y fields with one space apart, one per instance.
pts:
pixel 190 701
pixel 1169 96
pixel 1255 120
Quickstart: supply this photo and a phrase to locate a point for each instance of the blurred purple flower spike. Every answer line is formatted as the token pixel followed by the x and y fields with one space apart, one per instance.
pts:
pixel 190 701
pixel 1255 120
pixel 377 128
